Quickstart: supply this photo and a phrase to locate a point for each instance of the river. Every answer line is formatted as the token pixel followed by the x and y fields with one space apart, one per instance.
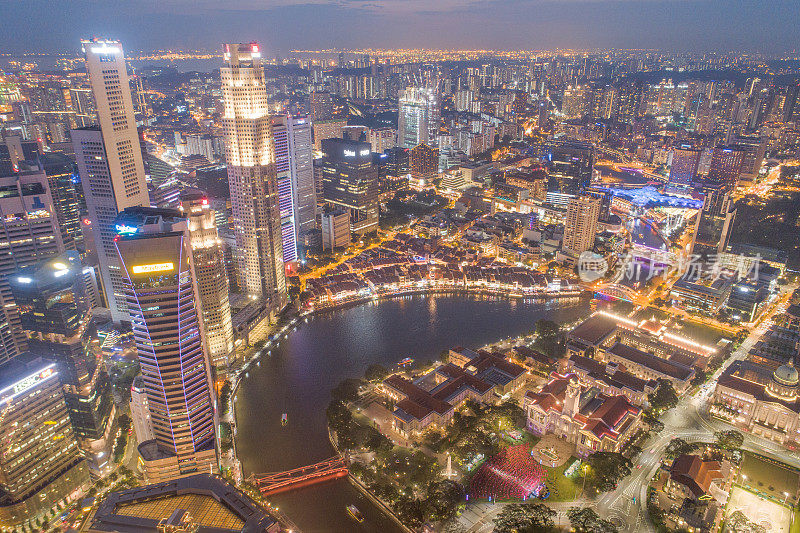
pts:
pixel 298 375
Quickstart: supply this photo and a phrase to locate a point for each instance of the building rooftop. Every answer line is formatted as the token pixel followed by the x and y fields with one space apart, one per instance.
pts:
pixel 214 506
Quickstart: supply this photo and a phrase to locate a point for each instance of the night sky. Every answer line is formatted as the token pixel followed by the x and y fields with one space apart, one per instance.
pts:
pixel 281 25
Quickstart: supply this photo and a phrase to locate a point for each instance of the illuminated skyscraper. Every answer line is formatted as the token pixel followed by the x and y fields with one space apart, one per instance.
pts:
pixel 350 182
pixel 250 151
pixel 418 117
pixel 28 233
pixel 297 194
pixel 580 226
pixel 41 463
pixel 726 165
pixel 110 160
pixel 685 159
pixel 715 221
pixel 161 291
pixel 56 312
pixel 212 280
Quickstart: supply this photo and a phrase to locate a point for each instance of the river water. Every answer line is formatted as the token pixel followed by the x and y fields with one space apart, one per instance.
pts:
pixel 299 373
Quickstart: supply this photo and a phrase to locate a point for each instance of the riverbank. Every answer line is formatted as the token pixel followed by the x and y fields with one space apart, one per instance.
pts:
pixel 305 361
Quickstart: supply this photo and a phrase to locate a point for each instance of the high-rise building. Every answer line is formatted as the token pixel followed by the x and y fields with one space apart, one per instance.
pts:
pixel 580 226
pixel 56 312
pixel 28 233
pixel 754 148
pixel 335 228
pixel 161 291
pixel 685 159
pixel 212 281
pixel 418 117
pixel 320 106
pixel 726 165
pixel 424 164
pixel 250 152
pixel 297 194
pixel 41 463
pixel 715 221
pixel 382 139
pixel 350 182
pixel 110 160
pixel 62 177
pixel 328 129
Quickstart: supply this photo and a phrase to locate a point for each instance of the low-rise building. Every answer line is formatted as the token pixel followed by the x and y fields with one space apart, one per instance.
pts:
pixel 586 417
pixel 648 366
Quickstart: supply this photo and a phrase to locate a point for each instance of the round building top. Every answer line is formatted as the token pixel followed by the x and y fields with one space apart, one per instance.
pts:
pixel 786 375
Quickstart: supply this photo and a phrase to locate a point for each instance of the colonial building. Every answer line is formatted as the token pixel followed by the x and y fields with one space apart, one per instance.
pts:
pixel 764 402
pixel 586 417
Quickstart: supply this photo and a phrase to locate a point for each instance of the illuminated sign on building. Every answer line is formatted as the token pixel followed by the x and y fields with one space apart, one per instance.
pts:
pixel 155 267
pixel 125 229
pixel 349 153
pixel 26 383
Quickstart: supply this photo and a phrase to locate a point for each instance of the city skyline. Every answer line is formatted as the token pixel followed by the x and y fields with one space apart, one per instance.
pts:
pixel 283 25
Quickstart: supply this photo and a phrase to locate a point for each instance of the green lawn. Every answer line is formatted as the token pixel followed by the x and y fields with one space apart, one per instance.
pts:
pixel 562 488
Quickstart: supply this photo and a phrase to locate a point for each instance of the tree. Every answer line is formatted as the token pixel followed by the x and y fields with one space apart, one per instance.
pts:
pixel 525 517
pixel 729 439
pixel 586 519
pixel 339 416
pixel 664 397
pixel 124 422
pixel 443 500
pixel 607 468
pixel 375 373
pixel 347 390
pixel 737 522
pixel 677 447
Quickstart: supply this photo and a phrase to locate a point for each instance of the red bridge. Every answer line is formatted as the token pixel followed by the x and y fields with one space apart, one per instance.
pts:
pixel 275 482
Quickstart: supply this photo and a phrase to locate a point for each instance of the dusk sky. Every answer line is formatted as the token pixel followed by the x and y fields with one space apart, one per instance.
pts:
pixel 281 25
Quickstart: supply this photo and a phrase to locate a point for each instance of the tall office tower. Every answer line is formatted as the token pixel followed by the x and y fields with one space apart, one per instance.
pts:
pixel 715 221
pixel 28 233
pixel 725 166
pixel 754 148
pixel 320 106
pixel 62 176
pixel 109 161
pixel 685 159
pixel 350 182
pixel 580 227
pixel 294 162
pixel 41 463
pixel 424 164
pixel 250 151
pixel 161 290
pixel 418 117
pixel 570 165
pixel 56 312
pixel 212 281
pixel 576 102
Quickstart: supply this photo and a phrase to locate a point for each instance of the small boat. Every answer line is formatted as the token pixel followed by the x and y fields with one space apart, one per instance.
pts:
pixel 353 511
pixel 405 362
pixel 284 419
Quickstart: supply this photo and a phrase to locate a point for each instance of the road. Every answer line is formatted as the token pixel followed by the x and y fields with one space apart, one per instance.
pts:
pixel 687 421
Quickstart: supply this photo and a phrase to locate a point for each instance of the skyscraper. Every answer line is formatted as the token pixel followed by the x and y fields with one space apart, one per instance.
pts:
pixel 295 165
pixel 418 117
pixel 715 220
pixel 61 175
pixel 56 312
pixel 212 280
pixel 580 227
pixel 350 182
pixel 685 159
pixel 250 152
pixel 41 463
pixel 161 291
pixel 28 233
pixel 424 164
pixel 725 167
pixel 110 160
